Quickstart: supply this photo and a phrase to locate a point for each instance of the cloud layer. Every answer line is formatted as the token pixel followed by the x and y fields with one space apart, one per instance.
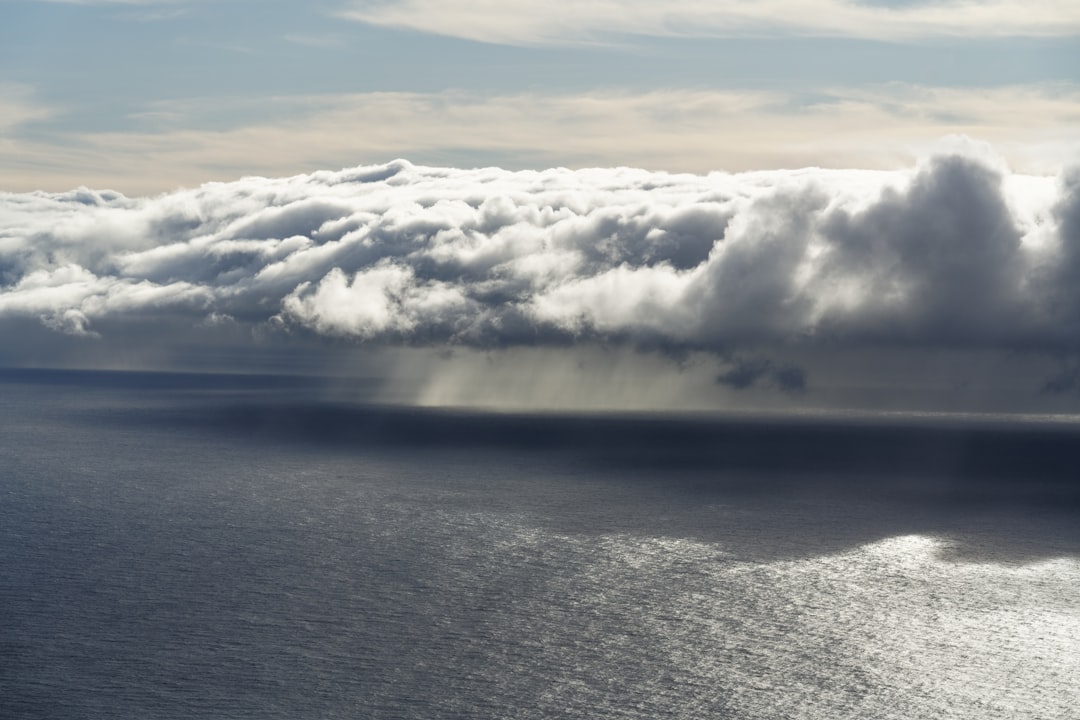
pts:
pixel 955 254
pixel 532 22
pixel 683 130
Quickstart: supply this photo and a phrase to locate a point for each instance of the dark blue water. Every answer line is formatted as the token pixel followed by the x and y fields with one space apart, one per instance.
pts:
pixel 207 547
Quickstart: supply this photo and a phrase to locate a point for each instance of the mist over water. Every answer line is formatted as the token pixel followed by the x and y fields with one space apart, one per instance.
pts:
pixel 206 547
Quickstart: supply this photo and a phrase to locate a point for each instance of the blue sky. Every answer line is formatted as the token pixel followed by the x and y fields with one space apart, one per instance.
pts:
pixel 148 96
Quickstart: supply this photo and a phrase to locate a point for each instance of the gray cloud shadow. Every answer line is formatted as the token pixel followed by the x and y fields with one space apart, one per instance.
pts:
pixel 768 487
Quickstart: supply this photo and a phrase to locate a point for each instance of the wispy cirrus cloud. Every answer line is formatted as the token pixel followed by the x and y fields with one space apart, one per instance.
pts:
pixel 182 142
pixel 534 22
pixel 19 106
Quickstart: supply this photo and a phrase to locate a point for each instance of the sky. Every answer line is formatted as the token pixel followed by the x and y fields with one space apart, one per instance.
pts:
pixel 777 205
pixel 145 96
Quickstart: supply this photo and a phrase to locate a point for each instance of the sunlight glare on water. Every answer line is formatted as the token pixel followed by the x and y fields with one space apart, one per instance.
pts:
pixel 890 629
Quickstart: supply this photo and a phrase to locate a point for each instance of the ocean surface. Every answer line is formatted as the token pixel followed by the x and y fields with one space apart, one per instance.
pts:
pixel 180 546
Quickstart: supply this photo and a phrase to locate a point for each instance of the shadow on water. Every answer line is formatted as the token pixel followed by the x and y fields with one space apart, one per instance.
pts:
pixel 772 488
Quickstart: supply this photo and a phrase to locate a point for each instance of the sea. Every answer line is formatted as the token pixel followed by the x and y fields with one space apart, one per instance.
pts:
pixel 220 546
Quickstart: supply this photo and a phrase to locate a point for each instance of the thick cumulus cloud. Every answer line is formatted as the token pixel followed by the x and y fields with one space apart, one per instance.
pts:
pixel 956 253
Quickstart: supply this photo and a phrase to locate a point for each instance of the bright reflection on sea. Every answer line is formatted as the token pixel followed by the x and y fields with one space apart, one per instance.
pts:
pixel 890 629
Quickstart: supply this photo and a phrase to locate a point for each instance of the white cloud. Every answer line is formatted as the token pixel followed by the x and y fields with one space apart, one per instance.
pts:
pixel 489 257
pixel 534 22
pixel 375 302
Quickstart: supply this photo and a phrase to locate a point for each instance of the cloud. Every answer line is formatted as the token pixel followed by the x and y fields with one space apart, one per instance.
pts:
pixel 957 253
pixel 746 372
pixel 685 130
pixel 533 22
pixel 18 107
pixel 949 285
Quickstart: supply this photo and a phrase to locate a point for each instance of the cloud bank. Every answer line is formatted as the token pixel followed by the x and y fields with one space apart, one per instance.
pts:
pixel 532 22
pixel 956 254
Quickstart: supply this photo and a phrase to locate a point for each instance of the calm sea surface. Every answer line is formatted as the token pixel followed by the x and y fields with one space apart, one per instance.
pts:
pixel 183 547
